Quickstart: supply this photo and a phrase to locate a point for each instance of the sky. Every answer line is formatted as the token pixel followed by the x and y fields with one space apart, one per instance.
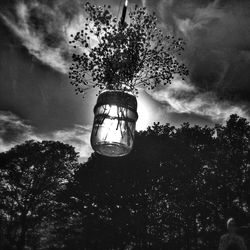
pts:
pixel 37 102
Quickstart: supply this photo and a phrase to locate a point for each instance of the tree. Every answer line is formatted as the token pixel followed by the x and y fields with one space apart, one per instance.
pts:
pixel 31 175
pixel 174 190
pixel 147 199
pixel 232 167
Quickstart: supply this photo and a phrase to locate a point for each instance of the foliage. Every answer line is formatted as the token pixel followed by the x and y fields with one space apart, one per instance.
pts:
pixel 31 175
pixel 174 191
pixel 115 56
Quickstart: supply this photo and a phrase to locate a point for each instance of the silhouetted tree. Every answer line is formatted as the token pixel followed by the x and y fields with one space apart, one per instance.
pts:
pixel 232 168
pixel 165 194
pixel 173 191
pixel 31 175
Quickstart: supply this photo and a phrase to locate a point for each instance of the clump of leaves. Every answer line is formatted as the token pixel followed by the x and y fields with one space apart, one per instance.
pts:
pixel 123 56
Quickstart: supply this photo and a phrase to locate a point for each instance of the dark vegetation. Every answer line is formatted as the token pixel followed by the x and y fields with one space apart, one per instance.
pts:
pixel 174 191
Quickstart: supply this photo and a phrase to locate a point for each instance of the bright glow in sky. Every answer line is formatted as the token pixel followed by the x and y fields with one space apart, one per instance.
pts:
pixel 147 112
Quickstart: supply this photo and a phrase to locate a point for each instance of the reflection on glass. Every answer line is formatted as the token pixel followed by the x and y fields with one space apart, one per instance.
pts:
pixel 114 128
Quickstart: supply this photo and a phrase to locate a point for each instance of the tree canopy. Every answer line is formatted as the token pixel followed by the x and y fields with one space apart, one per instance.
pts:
pixel 31 176
pixel 174 191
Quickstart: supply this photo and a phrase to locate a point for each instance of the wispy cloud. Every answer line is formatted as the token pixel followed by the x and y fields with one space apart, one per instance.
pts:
pixel 14 130
pixel 44 30
pixel 217 35
pixel 78 136
pixel 183 98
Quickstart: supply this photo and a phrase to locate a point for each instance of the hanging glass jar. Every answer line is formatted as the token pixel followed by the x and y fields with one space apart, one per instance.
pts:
pixel 114 123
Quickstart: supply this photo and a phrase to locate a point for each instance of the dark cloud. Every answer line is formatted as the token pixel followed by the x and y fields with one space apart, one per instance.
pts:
pixel 12 129
pixel 218 43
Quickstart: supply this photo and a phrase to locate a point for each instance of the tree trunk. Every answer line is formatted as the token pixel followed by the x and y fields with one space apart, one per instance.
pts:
pixel 195 234
pixel 21 240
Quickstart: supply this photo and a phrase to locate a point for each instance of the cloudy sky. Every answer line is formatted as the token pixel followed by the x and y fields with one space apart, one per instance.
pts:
pixel 37 101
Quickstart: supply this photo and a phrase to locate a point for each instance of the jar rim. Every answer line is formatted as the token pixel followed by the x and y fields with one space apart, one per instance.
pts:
pixel 117 97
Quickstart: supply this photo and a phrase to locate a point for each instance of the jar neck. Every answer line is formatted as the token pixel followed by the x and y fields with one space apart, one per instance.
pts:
pixel 119 98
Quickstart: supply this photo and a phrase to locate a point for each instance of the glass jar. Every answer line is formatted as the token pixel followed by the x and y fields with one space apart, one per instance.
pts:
pixel 114 123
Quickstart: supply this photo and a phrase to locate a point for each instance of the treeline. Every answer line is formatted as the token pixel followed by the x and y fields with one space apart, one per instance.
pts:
pixel 174 191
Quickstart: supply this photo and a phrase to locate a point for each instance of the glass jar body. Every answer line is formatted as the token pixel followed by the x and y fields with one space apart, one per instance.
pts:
pixel 114 123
